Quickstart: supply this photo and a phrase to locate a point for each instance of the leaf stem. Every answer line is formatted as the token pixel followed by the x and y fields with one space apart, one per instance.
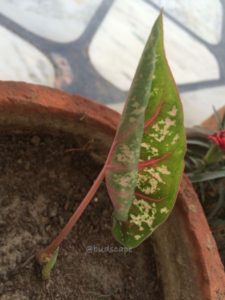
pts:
pixel 45 254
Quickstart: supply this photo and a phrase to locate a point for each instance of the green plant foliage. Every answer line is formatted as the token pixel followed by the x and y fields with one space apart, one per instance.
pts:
pixel 49 265
pixel 205 167
pixel 206 175
pixel 145 169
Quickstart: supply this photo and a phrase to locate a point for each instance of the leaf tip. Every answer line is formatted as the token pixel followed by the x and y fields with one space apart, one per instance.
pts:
pixel 160 17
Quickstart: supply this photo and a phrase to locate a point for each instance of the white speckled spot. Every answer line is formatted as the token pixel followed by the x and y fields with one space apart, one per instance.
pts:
pixel 137 237
pixel 163 170
pixel 146 184
pixel 175 139
pixel 162 129
pixel 173 111
pixel 146 146
pixel 164 210
pixel 146 214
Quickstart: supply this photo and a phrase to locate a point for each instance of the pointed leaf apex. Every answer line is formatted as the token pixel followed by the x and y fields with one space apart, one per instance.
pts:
pixel 159 20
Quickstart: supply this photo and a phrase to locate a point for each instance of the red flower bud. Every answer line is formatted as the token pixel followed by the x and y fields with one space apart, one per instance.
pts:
pixel 218 138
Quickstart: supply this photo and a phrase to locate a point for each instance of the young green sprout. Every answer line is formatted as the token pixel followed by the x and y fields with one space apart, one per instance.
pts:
pixel 144 166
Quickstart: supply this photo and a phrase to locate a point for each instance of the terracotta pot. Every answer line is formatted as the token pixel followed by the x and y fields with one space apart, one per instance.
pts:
pixel 188 260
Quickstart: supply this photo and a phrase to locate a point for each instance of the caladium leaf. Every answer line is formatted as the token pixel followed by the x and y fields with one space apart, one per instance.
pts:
pixel 147 158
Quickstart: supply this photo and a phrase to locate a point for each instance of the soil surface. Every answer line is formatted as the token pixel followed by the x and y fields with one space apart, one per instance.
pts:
pixel 42 180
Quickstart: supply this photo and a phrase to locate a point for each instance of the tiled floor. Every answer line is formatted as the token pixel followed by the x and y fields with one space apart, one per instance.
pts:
pixel 92 47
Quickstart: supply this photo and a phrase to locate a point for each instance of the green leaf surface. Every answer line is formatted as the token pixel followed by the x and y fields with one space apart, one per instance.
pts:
pixel 196 142
pixel 48 266
pixel 206 175
pixel 147 161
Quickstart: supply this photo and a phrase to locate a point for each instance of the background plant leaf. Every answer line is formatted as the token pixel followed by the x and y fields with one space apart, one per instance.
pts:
pixel 206 175
pixel 196 142
pixel 145 169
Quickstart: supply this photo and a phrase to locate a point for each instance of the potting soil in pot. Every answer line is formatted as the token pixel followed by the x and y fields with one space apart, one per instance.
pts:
pixel 42 180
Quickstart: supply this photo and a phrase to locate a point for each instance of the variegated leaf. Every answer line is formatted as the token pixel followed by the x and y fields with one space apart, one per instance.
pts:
pixel 146 165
